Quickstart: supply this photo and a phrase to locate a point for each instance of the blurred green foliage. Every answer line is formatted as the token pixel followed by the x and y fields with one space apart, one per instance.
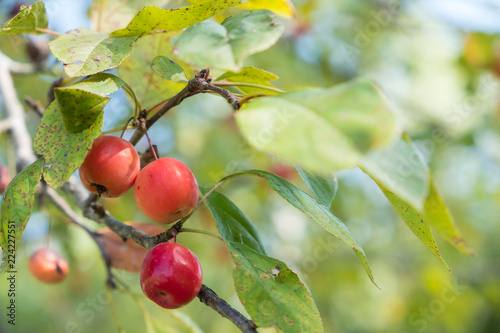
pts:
pixel 445 83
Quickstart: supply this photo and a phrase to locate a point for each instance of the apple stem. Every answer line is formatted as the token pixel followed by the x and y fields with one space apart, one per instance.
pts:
pixel 151 146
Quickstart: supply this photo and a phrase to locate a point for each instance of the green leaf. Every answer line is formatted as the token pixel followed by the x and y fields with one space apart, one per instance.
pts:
pixel 323 187
pixel 16 210
pixel 79 108
pixel 205 45
pixel 27 21
pixel 100 84
pixel 149 88
pixel 168 69
pixel 152 18
pixel 271 293
pixel 209 44
pixel 440 219
pixel 63 152
pixel 416 224
pixel 109 15
pixel 250 75
pixel 251 32
pixel 399 171
pixel 321 130
pixel 315 211
pixel 233 224
pixel 85 52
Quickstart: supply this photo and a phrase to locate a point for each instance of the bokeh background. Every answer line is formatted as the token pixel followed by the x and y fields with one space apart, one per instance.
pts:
pixel 438 61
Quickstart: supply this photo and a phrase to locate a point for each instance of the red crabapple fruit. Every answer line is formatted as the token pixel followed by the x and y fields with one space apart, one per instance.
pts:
pixel 48 266
pixel 171 275
pixel 110 167
pixel 166 190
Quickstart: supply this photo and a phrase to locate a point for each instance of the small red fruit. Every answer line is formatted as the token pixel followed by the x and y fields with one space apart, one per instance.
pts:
pixel 110 167
pixel 48 266
pixel 4 178
pixel 171 275
pixel 166 190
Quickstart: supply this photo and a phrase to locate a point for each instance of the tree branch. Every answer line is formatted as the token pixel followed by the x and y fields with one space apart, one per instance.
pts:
pixel 15 114
pixel 5 125
pixel 208 297
pixel 61 203
pixel 200 83
pixel 97 213
pixel 15 66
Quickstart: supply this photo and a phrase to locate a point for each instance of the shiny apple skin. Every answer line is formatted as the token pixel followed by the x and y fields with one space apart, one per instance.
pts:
pixel 110 167
pixel 166 190
pixel 171 275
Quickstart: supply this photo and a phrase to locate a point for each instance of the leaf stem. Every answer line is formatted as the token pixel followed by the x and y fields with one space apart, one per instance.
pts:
pixel 246 98
pixel 117 129
pixel 130 92
pixel 247 84
pixel 48 31
pixel 199 231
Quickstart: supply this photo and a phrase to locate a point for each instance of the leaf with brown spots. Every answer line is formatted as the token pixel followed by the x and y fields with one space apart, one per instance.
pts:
pixel 109 15
pixel 126 255
pixel 16 209
pixel 152 18
pixel 79 108
pixel 100 84
pixel 28 19
pixel 272 293
pixel 85 52
pixel 416 224
pixel 63 151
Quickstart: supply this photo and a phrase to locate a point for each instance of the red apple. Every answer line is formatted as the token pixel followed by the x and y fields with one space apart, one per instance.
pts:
pixel 166 190
pixel 171 275
pixel 110 167
pixel 4 178
pixel 48 266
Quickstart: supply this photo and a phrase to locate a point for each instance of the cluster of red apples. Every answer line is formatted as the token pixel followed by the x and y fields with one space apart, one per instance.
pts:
pixel 165 190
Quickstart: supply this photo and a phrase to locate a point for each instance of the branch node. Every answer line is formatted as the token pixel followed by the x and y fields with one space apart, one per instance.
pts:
pixel 98 209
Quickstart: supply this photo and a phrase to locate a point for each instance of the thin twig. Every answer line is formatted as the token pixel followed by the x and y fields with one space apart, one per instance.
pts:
pixel 76 219
pixel 64 207
pixel 15 66
pixel 96 212
pixel 208 297
pixel 173 101
pixel 35 106
pixel 199 84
